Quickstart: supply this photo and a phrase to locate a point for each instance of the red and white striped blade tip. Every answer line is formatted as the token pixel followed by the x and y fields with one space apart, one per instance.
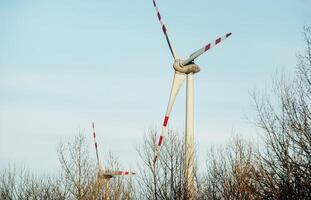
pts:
pixel 204 49
pixel 217 41
pixel 164 29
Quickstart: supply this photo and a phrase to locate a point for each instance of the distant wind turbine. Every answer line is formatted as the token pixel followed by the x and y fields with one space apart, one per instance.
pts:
pixel 103 176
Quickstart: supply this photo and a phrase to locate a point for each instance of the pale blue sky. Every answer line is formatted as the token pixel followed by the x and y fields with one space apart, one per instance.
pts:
pixel 64 64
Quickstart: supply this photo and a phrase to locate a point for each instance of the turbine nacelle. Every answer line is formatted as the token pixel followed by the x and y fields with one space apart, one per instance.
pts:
pixel 185 69
pixel 103 175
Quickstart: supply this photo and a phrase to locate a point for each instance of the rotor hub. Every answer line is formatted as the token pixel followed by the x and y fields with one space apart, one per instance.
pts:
pixel 185 69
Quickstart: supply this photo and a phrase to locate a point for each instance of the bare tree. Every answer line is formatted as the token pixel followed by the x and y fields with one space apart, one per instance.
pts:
pixel 78 179
pixel 230 172
pixel 165 179
pixel 21 184
pixel 78 172
pixel 285 120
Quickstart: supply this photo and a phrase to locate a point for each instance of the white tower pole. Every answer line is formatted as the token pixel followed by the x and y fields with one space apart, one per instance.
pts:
pixel 189 137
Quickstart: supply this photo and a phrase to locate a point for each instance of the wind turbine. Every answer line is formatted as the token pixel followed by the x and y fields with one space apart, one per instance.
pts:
pixel 184 70
pixel 103 176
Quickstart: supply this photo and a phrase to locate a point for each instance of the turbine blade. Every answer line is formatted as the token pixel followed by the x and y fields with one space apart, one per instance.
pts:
pixel 177 83
pixel 164 29
pixel 204 49
pixel 95 142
